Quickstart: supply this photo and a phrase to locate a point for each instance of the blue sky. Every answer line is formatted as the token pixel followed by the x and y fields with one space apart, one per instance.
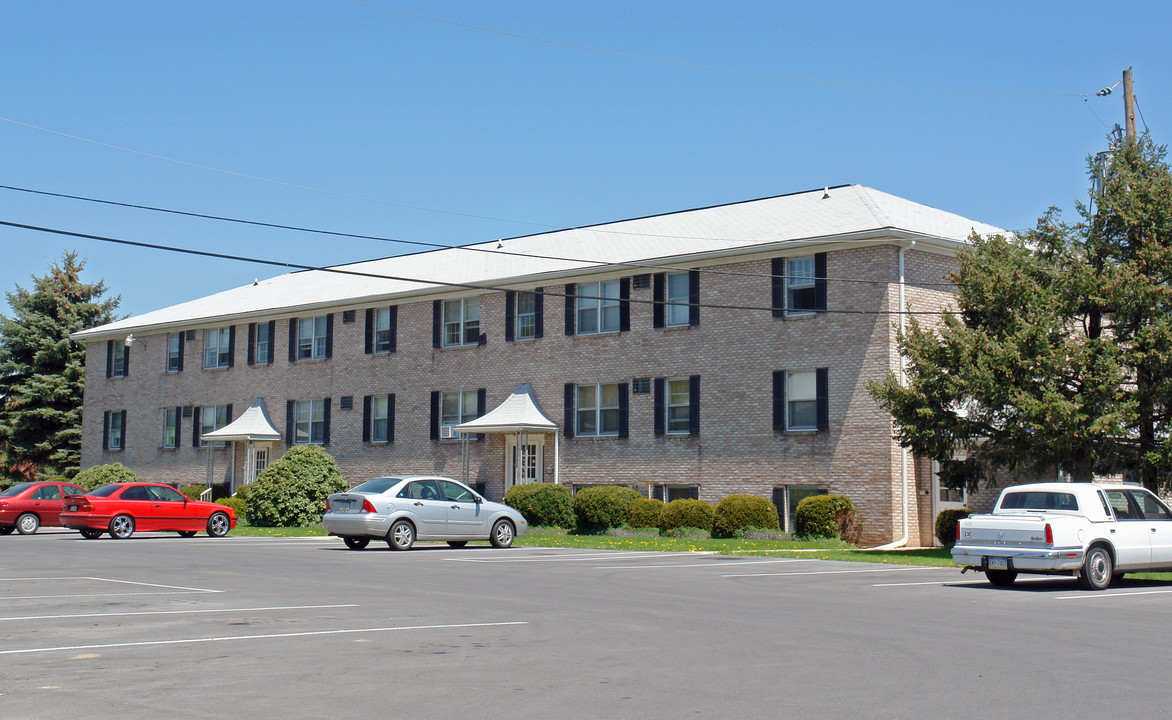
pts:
pixel 569 113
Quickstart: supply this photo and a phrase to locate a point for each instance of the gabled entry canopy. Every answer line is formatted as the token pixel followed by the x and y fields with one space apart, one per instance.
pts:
pixel 254 424
pixel 518 413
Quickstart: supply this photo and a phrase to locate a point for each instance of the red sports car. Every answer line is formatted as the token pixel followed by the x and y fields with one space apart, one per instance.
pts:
pixel 26 506
pixel 122 508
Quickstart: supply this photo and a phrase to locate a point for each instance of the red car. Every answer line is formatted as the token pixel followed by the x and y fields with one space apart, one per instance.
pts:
pixel 27 506
pixel 122 508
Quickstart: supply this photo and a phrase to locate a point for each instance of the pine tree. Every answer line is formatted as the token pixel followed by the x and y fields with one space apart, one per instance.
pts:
pixel 42 370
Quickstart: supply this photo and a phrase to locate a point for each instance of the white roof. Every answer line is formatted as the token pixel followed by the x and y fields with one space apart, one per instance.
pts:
pixel 847 213
pixel 518 413
pixel 254 424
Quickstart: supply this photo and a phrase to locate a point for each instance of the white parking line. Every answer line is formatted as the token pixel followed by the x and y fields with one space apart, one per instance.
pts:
pixel 567 557
pixel 709 564
pixel 949 583
pixel 168 589
pixel 175 612
pixel 1112 595
pixel 835 572
pixel 111 580
pixel 188 641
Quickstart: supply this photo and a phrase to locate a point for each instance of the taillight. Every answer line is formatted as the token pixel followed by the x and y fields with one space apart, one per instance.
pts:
pixel 1049 534
pixel 367 506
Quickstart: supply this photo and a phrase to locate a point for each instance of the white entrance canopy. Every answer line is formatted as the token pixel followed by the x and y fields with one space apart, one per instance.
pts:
pixel 518 414
pixel 250 428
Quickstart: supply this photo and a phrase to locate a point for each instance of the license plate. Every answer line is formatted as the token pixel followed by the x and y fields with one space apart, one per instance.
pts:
pixel 343 506
pixel 72 508
pixel 996 563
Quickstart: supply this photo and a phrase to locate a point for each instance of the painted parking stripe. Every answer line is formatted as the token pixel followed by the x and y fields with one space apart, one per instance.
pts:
pixel 175 612
pixel 1112 595
pixel 738 563
pixel 947 583
pixel 567 557
pixel 835 572
pixel 109 580
pixel 190 641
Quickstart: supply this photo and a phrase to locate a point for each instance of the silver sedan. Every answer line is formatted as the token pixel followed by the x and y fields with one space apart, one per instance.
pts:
pixel 402 510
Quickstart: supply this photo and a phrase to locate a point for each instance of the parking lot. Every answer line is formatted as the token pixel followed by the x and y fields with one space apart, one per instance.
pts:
pixel 159 626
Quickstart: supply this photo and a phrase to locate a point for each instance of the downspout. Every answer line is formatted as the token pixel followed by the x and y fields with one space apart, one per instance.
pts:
pixel 903 451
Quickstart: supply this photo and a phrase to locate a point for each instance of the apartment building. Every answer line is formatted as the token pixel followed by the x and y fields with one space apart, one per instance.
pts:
pixel 700 353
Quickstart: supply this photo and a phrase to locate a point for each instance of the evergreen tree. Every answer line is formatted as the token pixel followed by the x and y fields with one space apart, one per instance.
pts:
pixel 42 370
pixel 1060 350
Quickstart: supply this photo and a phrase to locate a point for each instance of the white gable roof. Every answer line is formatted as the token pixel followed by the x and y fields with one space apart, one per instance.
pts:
pixel 254 424
pixel 843 213
pixel 518 413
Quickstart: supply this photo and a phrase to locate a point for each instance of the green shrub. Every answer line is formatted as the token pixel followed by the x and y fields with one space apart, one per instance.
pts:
pixel 644 513
pixel 826 516
pixel 292 491
pixel 99 475
pixel 235 503
pixel 737 512
pixel 543 504
pixel 602 507
pixel 193 491
pixel 242 492
pixel 686 513
pixel 946 524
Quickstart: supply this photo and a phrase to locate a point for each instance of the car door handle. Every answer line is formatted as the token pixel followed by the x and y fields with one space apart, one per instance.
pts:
pixel 457 507
pixel 418 504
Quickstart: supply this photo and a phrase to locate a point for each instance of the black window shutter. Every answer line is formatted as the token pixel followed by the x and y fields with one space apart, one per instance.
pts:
pixel 779 400
pixel 624 411
pixel 251 343
pixel 391 417
pixel 329 349
pixel 366 405
pixel 777 270
pixel 822 390
pixel 510 315
pixel 660 421
pixel 657 492
pixel 181 351
pixel 106 430
pixel 694 404
pixel 820 282
pixel 289 422
pixel 481 401
pixel 483 339
pixel 123 438
pixel 231 345
pixel 571 306
pixel 568 412
pixel 435 413
pixel 292 342
pixel 272 339
pixel 228 414
pixel 538 313
pixel 625 304
pixel 394 322
pixel 179 426
pixel 658 293
pixel 436 327
pixel 368 341
pixel 325 435
pixel 125 360
pixel 779 503
pixel 195 426
pixel 694 297
pixel 109 361
pixel 694 492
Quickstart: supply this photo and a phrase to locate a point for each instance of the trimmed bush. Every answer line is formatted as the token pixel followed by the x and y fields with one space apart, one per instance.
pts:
pixel 645 513
pixel 946 524
pixel 686 513
pixel 242 492
pixel 737 512
pixel 99 475
pixel 193 491
pixel 235 503
pixel 826 516
pixel 292 491
pixel 543 504
pixel 600 508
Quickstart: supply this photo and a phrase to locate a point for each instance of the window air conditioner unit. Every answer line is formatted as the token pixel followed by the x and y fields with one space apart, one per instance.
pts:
pixel 448 432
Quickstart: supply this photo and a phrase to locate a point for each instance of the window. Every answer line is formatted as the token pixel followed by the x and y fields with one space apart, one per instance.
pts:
pixel 459 407
pixel 526 319
pixel 677 405
pixel 48 492
pixel 794 495
pixel 170 427
pixel 1151 508
pixel 378 422
pixel 383 338
pixel 678 311
pixel 461 320
pixel 678 402
pixel 175 352
pixel 599 307
pixel 1043 501
pixel 217 347
pixel 117 358
pixel 597 409
pixel 802 412
pixel 799 285
pixel 213 417
pixel 312 337
pixel 309 422
pixel 263 347
pixel 114 430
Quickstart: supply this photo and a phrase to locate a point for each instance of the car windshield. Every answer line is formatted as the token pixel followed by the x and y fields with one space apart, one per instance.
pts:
pixel 106 490
pixel 16 489
pixel 1039 501
pixel 377 486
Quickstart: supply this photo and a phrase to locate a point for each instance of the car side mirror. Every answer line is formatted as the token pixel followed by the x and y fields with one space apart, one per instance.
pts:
pixel 478 499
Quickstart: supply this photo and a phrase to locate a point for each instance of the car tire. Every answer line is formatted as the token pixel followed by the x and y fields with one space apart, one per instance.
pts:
pixel 401 535
pixel 1001 578
pixel 186 533
pixel 91 534
pixel 502 534
pixel 356 543
pixel 219 524
pixel 1097 569
pixel 121 527
pixel 7 529
pixel 27 524
pixel 457 543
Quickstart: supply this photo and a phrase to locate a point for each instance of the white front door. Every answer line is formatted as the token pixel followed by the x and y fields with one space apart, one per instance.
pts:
pixel 524 460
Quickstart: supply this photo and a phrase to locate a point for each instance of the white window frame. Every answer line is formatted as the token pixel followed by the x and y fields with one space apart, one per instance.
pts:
pixel 677 296
pixel 799 277
pixel 525 327
pixel 593 418
pixel 262 352
pixel 676 400
pixel 382 330
pixel 459 406
pixel 309 416
pixel 219 418
pixel 598 306
pixel 215 347
pixel 461 319
pixel 173 349
pixel 380 416
pixel 801 393
pixel 118 362
pixel 170 427
pixel 312 336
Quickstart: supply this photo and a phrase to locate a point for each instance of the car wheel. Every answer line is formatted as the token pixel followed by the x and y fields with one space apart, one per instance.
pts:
pixel 356 543
pixel 186 533
pixel 401 536
pixel 121 527
pixel 1001 578
pixel 7 529
pixel 502 534
pixel 91 534
pixel 457 543
pixel 1097 569
pixel 218 524
pixel 27 524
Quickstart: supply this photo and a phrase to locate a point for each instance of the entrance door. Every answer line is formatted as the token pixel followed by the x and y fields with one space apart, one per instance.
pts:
pixel 524 460
pixel 945 498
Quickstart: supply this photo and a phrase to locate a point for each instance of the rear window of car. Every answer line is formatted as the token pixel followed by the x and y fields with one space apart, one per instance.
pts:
pixel 106 490
pixel 16 489
pixel 1039 501
pixel 376 486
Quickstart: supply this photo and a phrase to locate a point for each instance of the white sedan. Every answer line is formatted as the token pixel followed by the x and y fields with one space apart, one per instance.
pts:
pixel 402 510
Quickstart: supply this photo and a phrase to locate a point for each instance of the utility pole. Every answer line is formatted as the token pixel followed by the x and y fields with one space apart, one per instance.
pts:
pixel 1128 103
